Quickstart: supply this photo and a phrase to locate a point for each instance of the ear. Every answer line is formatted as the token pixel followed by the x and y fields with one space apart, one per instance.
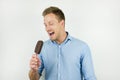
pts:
pixel 62 22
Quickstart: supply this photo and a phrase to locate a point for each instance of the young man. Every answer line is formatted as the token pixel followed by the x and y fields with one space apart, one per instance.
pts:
pixel 62 56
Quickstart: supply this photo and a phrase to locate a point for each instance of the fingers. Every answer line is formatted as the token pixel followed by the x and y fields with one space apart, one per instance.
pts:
pixel 35 62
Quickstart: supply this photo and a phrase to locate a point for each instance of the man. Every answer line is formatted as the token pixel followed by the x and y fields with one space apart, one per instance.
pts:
pixel 63 57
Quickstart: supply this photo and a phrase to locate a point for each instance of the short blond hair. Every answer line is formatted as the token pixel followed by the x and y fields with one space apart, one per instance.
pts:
pixel 55 10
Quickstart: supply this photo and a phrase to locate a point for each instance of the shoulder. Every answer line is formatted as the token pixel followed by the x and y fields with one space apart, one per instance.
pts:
pixel 78 41
pixel 47 43
pixel 79 44
pixel 82 45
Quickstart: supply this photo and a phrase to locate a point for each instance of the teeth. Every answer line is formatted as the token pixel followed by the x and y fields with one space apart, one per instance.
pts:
pixel 50 33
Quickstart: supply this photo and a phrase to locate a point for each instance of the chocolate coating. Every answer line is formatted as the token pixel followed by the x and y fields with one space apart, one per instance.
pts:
pixel 38 47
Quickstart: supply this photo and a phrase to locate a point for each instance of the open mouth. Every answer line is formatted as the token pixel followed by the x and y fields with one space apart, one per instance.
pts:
pixel 51 33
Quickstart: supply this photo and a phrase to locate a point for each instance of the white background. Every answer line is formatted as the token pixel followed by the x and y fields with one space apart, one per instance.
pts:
pixel 97 22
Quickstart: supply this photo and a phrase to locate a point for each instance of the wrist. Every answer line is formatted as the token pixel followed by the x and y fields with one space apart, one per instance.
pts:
pixel 33 74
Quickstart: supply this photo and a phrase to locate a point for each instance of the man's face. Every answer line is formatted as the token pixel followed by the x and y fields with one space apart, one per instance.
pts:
pixel 53 26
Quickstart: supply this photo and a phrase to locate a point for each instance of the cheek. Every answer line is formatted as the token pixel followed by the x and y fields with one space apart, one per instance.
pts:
pixel 58 29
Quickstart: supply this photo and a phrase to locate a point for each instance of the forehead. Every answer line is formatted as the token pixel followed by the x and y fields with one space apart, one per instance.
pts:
pixel 50 17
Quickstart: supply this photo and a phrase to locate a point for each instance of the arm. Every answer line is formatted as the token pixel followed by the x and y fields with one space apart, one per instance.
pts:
pixel 87 64
pixel 34 65
pixel 34 75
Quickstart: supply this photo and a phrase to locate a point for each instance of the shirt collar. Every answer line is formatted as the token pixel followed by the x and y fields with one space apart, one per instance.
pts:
pixel 68 38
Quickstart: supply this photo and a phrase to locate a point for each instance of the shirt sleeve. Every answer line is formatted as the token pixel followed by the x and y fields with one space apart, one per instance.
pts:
pixel 87 64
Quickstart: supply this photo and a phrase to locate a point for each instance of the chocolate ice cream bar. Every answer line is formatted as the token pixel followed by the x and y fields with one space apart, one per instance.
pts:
pixel 38 47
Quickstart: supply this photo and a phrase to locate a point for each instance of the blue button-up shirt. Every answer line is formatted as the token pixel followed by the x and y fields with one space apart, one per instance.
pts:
pixel 70 60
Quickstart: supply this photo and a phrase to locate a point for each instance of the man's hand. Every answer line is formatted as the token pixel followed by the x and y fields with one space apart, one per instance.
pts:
pixel 35 62
pixel 34 65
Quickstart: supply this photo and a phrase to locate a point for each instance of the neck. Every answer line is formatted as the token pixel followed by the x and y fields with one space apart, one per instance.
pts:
pixel 62 38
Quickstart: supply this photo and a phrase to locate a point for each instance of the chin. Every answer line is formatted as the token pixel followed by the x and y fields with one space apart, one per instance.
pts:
pixel 52 39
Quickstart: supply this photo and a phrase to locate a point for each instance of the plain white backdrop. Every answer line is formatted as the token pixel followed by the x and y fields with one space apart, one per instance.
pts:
pixel 97 22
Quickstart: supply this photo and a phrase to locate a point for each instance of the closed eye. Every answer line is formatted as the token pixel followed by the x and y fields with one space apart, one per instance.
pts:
pixel 50 24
